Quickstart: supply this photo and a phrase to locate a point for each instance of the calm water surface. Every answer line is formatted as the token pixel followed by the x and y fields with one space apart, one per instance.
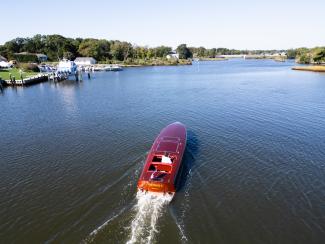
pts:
pixel 254 168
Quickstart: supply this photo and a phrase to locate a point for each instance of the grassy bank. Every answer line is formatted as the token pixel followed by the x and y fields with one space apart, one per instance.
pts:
pixel 314 68
pixel 5 74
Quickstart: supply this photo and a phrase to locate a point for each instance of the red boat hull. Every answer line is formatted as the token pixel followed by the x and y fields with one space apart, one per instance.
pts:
pixel 164 160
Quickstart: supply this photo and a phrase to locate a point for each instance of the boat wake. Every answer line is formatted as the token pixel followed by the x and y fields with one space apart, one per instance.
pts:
pixel 148 209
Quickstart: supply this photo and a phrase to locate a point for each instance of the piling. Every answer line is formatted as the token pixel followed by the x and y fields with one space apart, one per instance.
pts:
pixel 80 76
pixel 76 75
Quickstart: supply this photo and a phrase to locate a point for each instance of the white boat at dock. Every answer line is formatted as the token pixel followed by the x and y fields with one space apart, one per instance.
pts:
pixel 67 66
pixel 113 67
pixel 116 67
pixel 44 68
pixel 100 67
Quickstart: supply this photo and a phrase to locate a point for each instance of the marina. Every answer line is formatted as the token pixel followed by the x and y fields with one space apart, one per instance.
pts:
pixel 65 70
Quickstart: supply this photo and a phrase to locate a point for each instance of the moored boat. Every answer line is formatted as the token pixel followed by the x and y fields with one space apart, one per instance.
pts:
pixel 116 67
pixel 67 66
pixel 159 174
pixel 112 67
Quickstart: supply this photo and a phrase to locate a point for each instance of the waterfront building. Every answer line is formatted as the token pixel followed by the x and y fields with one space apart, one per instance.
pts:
pixel 85 61
pixel 172 55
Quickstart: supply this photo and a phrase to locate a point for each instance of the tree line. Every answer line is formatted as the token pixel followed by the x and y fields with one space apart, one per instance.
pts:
pixel 57 47
pixel 304 55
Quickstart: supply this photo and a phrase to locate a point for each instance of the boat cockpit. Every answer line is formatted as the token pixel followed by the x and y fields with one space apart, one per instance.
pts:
pixel 161 165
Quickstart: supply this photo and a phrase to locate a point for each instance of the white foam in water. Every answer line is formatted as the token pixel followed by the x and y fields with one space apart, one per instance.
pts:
pixel 148 208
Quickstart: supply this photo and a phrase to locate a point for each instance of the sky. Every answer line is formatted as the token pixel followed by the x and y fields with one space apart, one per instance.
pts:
pixel 239 24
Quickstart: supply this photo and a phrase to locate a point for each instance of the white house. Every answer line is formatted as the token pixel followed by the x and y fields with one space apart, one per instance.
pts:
pixel 85 61
pixel 172 55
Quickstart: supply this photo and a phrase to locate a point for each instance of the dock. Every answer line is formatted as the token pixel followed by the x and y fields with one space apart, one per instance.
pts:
pixel 27 81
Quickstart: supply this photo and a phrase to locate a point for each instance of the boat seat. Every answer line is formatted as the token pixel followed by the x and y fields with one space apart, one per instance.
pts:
pixel 166 160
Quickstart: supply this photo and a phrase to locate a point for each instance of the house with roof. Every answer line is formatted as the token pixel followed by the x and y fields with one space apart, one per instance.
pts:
pixel 41 57
pixel 80 61
pixel 30 57
pixel 172 55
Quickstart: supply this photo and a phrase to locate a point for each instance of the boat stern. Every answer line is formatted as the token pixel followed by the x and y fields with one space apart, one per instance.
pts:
pixel 156 187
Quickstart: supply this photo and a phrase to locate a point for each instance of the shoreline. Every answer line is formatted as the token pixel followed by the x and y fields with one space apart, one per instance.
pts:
pixel 137 63
pixel 150 65
pixel 213 59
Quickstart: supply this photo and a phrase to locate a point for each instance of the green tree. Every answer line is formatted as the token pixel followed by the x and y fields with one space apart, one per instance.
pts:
pixel 318 55
pixel 291 53
pixel 150 53
pixel 221 51
pixel 140 52
pixel 98 49
pixel 68 55
pixel 303 55
pixel 35 44
pixel 54 46
pixel 201 51
pixel 14 46
pixel 121 50
pixel 162 51
pixel 184 52
pixel 212 52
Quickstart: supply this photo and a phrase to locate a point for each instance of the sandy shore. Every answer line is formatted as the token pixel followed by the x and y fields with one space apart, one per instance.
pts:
pixel 314 68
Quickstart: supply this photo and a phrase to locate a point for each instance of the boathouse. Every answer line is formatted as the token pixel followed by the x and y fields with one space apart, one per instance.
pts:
pixel 85 61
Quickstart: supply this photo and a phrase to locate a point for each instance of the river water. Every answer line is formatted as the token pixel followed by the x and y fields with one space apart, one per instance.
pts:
pixel 254 167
